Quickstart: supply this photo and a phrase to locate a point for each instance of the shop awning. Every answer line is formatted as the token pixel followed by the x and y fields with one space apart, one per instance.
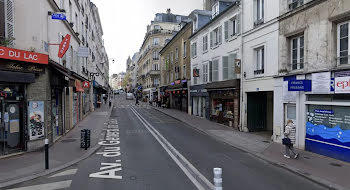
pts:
pixel 224 85
pixel 9 76
pixel 60 69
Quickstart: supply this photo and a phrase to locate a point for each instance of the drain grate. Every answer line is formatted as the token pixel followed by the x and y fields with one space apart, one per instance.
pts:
pixel 69 140
pixel 335 164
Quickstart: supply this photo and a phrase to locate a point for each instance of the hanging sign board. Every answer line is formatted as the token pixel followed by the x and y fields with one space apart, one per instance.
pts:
pixel 64 46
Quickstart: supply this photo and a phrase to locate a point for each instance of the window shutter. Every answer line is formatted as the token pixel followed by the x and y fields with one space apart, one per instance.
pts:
pixel 226 30
pixel 211 39
pixel 220 34
pixel 225 67
pixel 239 24
pixel 210 71
pixel 9 21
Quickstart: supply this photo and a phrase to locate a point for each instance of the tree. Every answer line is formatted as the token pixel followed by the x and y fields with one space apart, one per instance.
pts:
pixel 126 80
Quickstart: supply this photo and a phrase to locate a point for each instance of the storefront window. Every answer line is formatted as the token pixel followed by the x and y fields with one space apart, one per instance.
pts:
pixel 12 92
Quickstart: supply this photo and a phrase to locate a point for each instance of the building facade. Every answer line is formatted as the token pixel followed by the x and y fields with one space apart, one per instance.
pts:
pixel 175 69
pixel 162 28
pixel 42 94
pixel 313 60
pixel 215 63
pixel 259 64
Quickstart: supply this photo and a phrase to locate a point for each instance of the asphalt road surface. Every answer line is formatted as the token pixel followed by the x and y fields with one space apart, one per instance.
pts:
pixel 146 150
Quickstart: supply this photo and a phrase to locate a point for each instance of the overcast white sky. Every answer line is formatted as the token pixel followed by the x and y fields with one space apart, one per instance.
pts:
pixel 124 24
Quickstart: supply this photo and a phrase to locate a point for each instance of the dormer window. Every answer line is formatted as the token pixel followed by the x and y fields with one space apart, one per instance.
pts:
pixel 215 10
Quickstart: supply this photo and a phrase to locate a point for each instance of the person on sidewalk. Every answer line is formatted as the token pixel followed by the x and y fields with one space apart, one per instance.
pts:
pixel 289 133
pixel 137 100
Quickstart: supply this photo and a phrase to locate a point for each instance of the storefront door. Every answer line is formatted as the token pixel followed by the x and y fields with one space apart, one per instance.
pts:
pixel 11 127
pixel 203 107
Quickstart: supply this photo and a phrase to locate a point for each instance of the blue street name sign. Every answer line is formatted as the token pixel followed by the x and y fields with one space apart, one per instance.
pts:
pixel 299 85
pixel 58 16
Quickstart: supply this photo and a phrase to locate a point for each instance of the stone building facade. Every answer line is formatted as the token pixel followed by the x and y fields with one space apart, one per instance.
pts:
pixel 176 69
pixel 313 41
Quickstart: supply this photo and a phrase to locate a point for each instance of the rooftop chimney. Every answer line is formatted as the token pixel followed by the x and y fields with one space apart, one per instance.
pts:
pixel 168 11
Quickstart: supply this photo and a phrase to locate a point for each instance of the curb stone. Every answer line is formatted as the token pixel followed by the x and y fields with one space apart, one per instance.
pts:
pixel 50 171
pixel 323 182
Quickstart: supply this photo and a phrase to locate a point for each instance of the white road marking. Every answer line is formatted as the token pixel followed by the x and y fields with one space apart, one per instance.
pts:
pixel 64 173
pixel 48 186
pixel 193 174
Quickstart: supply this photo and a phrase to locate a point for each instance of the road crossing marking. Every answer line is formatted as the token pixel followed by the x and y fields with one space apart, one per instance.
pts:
pixel 48 186
pixel 64 173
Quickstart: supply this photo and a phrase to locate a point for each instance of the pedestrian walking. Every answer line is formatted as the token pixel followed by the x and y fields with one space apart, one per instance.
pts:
pixel 137 100
pixel 289 139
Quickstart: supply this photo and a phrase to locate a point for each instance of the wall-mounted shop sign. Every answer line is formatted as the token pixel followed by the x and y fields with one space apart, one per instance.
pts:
pixel 321 83
pixel 195 72
pixel 20 67
pixel 299 85
pixel 342 85
pixel 86 84
pixel 21 55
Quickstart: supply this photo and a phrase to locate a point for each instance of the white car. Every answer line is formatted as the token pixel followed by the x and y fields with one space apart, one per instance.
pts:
pixel 129 96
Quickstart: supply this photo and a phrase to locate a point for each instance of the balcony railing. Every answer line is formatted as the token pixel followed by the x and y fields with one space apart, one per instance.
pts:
pixel 153 72
pixel 259 72
pixel 295 4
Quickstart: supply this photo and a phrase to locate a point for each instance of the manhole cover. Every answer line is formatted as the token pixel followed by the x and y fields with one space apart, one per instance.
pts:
pixel 68 140
pixel 307 157
pixel 335 164
pixel 265 141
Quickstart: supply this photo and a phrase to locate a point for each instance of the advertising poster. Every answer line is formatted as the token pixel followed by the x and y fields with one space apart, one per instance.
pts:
pixel 328 131
pixel 36 119
pixel 320 83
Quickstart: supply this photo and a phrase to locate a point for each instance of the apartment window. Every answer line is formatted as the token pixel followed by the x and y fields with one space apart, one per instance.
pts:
pixel 205 73
pixel 260 60
pixel 214 71
pixel 205 43
pixel 293 4
pixel 343 43
pixel 216 37
pixel 76 22
pixel 7 21
pixel 194 49
pixel 156 27
pixel 184 72
pixel 215 10
pixel 232 27
pixel 62 4
pixel 155 41
pixel 70 12
pixel 171 58
pixel 228 66
pixel 155 55
pixel 155 67
pixel 184 49
pixel 176 54
pixel 297 53
pixel 259 11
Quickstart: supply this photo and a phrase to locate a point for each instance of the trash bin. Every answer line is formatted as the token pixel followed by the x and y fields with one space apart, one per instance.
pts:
pixel 85 136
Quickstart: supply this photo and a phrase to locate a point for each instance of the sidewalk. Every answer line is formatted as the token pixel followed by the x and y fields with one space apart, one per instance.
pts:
pixel 329 172
pixel 65 152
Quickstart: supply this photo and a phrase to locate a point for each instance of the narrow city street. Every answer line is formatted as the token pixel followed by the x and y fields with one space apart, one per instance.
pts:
pixel 159 152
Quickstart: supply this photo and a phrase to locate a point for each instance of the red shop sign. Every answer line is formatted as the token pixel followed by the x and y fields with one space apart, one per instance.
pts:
pixel 21 55
pixel 86 84
pixel 64 46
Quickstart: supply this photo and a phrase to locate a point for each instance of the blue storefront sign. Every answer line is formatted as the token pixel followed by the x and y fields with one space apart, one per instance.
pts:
pixel 58 16
pixel 299 85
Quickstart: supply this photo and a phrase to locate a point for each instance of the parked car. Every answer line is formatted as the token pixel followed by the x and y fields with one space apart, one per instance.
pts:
pixel 116 91
pixel 129 96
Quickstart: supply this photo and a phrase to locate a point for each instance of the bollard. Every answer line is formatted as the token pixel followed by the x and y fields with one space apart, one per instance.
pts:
pixel 217 178
pixel 47 154
pixel 86 140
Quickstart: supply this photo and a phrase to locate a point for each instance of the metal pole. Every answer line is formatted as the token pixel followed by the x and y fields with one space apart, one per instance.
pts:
pixel 46 153
pixel 217 178
pixel 85 139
